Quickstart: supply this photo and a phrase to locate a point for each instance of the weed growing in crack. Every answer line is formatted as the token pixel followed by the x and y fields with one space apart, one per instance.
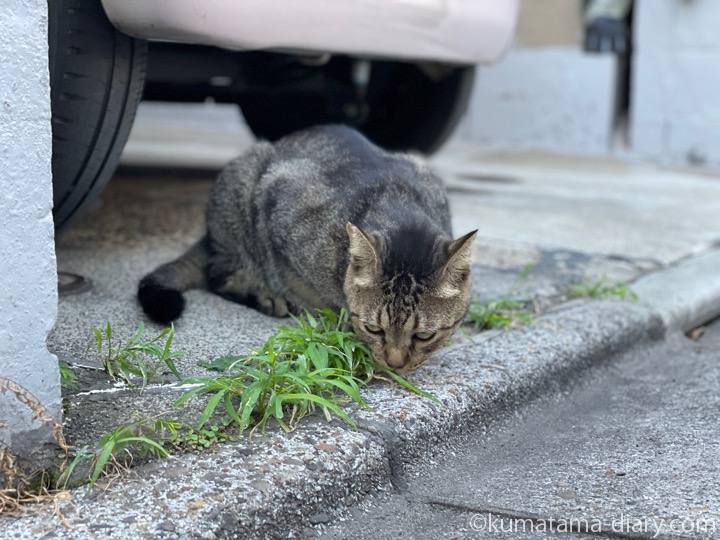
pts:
pixel 136 358
pixel 602 288
pixel 318 365
pixel 68 379
pixel 203 439
pixel 503 312
pixel 114 451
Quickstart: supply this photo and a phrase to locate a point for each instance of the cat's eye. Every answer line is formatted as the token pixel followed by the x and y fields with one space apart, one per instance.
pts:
pixel 373 329
pixel 424 336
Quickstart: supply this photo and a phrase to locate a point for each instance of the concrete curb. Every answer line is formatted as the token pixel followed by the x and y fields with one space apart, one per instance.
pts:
pixel 685 295
pixel 289 482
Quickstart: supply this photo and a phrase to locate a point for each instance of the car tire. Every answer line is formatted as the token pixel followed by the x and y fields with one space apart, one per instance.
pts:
pixel 420 109
pixel 96 81
pixel 407 106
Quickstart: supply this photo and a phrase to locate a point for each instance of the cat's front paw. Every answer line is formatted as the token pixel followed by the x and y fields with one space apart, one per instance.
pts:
pixel 275 306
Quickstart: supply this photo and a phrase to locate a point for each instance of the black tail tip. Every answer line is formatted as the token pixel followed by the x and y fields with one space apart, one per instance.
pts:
pixel 161 304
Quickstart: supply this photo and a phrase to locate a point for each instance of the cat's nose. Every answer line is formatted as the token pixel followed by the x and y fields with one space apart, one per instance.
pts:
pixel 396 357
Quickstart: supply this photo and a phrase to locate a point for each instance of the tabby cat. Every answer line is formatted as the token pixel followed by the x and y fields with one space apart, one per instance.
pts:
pixel 323 219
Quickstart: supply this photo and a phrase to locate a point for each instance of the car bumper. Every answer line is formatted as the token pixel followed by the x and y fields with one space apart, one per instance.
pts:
pixel 453 31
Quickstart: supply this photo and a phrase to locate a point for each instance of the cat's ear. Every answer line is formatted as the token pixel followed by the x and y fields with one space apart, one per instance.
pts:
pixel 457 269
pixel 363 247
pixel 460 252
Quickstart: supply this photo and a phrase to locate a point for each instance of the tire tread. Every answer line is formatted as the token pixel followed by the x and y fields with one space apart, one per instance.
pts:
pixel 97 77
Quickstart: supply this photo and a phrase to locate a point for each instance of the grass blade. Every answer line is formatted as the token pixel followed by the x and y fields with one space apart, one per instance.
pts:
pixel 410 386
pixel 187 395
pixel 146 441
pixel 100 463
pixel 247 404
pixel 210 407
pixel 231 409
pixel 322 402
pixel 354 393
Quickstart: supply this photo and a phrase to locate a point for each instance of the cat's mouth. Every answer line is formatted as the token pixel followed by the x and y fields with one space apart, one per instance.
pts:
pixel 406 364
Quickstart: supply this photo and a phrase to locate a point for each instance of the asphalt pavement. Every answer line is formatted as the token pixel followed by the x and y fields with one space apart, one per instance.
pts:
pixel 572 220
pixel 628 450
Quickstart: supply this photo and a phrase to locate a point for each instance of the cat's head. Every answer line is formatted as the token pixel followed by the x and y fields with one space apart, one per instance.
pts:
pixel 407 295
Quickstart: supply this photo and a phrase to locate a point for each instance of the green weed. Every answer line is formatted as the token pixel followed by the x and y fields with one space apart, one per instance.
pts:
pixel 68 379
pixel 136 358
pixel 200 440
pixel 602 288
pixel 317 365
pixel 146 437
pixel 503 312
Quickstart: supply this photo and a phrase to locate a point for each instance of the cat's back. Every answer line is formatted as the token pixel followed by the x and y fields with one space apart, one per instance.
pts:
pixel 290 215
pixel 346 157
pixel 334 168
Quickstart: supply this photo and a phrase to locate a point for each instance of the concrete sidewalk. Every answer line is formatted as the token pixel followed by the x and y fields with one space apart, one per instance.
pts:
pixel 573 220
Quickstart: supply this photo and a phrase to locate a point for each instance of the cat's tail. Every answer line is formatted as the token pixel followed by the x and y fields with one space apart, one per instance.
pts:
pixel 160 292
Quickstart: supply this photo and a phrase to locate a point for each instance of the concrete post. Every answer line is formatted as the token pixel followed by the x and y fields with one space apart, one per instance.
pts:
pixel 675 113
pixel 28 275
pixel 546 94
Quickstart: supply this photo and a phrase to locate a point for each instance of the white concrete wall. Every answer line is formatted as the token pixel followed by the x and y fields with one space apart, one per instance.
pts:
pixel 28 279
pixel 546 93
pixel 675 97
pixel 558 99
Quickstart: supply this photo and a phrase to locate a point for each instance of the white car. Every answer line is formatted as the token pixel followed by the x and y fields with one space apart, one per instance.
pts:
pixel 401 71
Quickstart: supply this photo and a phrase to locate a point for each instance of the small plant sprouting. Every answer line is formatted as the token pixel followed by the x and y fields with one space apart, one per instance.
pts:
pixel 602 288
pixel 146 436
pixel 136 358
pixel 503 312
pixel 68 379
pixel 202 439
pixel 298 370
